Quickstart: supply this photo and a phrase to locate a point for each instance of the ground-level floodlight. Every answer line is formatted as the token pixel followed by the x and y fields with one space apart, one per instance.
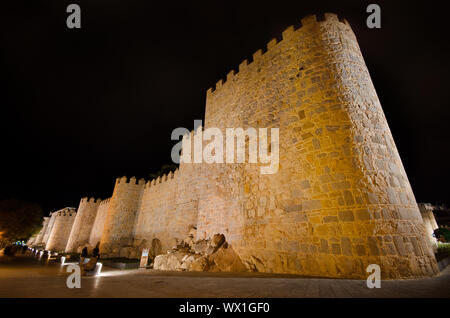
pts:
pixel 98 269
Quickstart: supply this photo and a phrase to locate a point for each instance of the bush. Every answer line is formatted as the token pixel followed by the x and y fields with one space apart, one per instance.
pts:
pixel 442 233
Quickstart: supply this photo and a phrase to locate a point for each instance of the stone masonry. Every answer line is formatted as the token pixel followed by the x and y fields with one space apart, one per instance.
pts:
pixel 340 201
pixel 59 236
pixel 84 221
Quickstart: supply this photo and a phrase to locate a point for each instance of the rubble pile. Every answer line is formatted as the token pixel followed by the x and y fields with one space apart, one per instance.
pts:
pixel 207 255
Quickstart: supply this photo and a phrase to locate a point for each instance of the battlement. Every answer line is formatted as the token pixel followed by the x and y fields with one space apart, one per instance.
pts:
pixel 106 201
pixel 90 200
pixel 66 213
pixel 312 82
pixel 306 23
pixel 162 179
pixel 131 180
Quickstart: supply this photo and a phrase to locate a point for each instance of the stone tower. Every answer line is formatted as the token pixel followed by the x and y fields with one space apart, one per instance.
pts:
pixel 59 236
pixel 40 237
pixel 341 199
pixel 121 215
pixel 84 221
pixel 99 223
pixel 48 229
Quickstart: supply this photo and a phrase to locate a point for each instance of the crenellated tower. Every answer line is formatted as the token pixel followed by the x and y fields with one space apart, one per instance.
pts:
pixel 121 216
pixel 341 199
pixel 99 223
pixel 60 232
pixel 84 221
pixel 40 237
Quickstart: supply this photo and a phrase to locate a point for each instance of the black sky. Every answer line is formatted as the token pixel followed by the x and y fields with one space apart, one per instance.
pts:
pixel 82 107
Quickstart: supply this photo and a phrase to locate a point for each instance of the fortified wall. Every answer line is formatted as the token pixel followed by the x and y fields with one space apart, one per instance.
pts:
pixel 38 240
pixel 99 223
pixel 59 236
pixel 84 221
pixel 429 221
pixel 341 199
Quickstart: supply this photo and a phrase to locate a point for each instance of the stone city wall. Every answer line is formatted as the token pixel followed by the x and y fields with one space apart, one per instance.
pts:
pixel 429 222
pixel 82 227
pixel 121 216
pixel 99 223
pixel 60 232
pixel 40 236
pixel 49 228
pixel 340 199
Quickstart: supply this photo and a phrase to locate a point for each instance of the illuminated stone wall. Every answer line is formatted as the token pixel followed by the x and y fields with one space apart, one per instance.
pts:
pixel 121 216
pixel 429 221
pixel 168 208
pixel 40 237
pixel 341 199
pixel 61 229
pixel 99 223
pixel 49 228
pixel 84 222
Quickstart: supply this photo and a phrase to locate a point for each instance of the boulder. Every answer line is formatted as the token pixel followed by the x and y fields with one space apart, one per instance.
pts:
pixel 227 260
pixel 210 250
pixel 217 240
pixel 189 241
pixel 188 260
pixel 201 264
pixel 214 255
pixel 160 262
pixel 200 247
pixel 169 262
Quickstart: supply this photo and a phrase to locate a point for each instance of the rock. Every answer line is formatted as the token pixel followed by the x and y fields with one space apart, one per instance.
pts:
pixel 160 262
pixel 188 241
pixel 173 263
pixel 169 262
pixel 200 247
pixel 217 240
pixel 227 260
pixel 188 260
pixel 201 264
pixel 214 255
pixel 210 250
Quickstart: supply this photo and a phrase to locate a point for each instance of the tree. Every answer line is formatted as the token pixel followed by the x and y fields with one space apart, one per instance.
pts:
pixel 165 169
pixel 19 220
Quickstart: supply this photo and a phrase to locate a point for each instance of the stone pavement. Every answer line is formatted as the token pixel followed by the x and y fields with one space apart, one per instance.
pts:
pixel 25 276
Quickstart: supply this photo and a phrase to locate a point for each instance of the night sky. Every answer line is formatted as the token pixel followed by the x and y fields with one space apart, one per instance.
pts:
pixel 80 107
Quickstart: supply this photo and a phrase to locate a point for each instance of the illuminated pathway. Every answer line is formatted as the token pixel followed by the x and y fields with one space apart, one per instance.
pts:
pixel 25 276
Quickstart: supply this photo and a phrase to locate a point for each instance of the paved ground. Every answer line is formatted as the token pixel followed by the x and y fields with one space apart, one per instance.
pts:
pixel 26 276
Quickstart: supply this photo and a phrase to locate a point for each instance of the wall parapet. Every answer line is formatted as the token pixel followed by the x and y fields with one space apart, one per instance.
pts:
pixel 105 201
pixel 132 180
pixel 162 179
pixel 66 212
pixel 288 33
pixel 90 200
